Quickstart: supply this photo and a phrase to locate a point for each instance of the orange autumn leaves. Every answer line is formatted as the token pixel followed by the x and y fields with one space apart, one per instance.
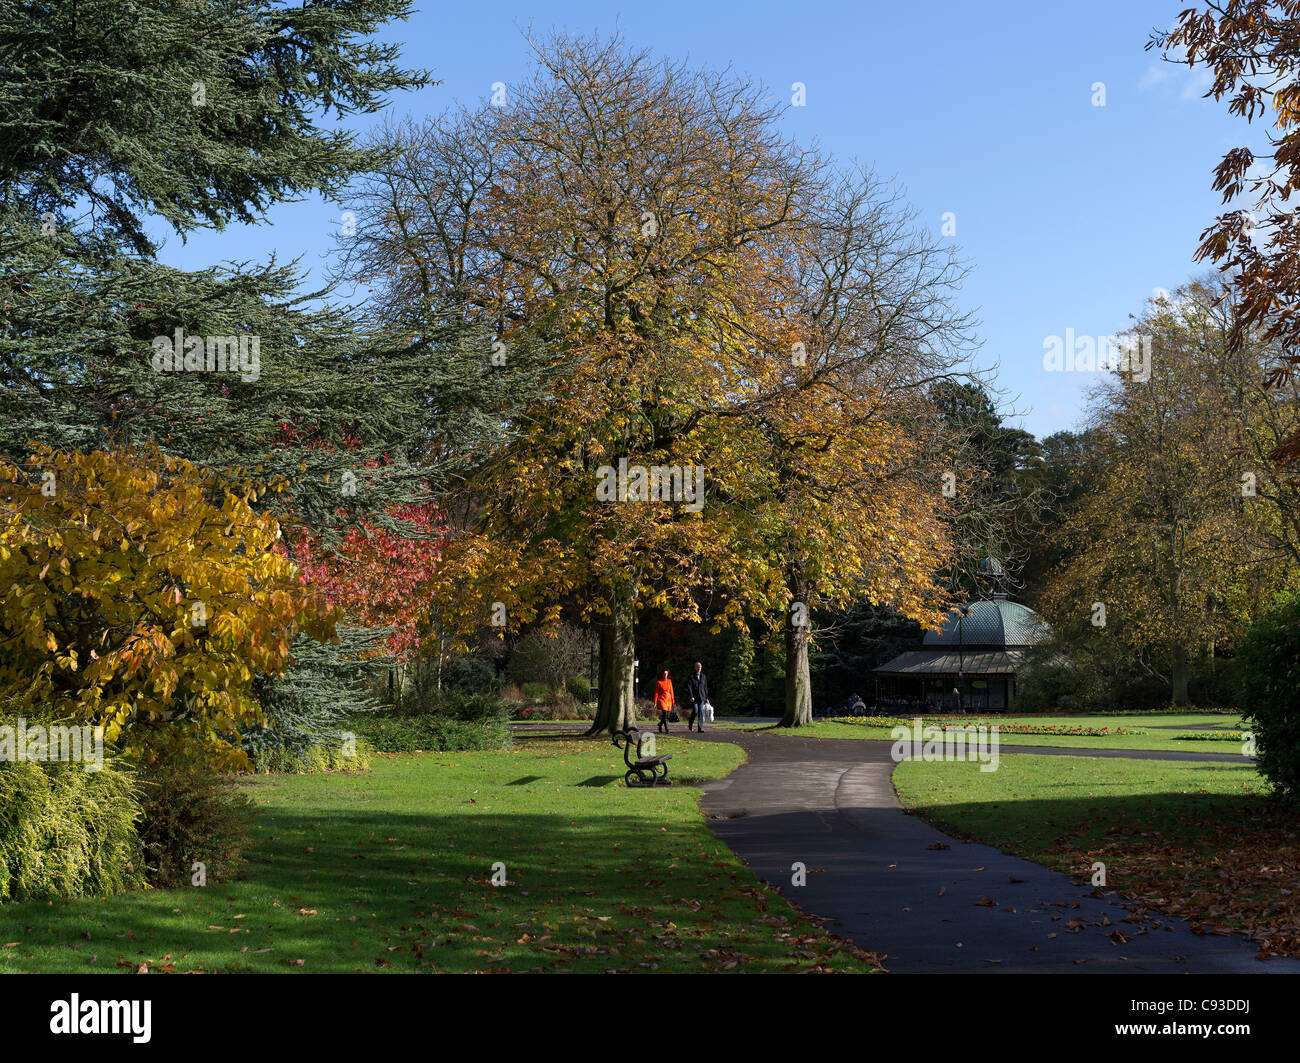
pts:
pixel 137 591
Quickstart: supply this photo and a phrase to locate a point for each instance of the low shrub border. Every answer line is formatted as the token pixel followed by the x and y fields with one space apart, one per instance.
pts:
pixel 430 734
pixel 281 760
pixel 66 831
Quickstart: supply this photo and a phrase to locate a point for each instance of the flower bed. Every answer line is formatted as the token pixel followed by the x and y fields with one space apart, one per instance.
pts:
pixel 1211 736
pixel 960 723
pixel 1043 728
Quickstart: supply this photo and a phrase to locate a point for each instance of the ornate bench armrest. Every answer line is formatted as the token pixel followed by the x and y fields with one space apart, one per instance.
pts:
pixel 629 742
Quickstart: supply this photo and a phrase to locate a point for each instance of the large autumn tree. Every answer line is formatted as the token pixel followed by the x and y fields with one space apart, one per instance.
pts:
pixel 699 286
pixel 1171 535
pixel 854 504
pixel 614 212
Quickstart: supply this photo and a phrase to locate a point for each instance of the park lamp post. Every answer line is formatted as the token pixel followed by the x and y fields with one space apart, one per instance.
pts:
pixel 962 612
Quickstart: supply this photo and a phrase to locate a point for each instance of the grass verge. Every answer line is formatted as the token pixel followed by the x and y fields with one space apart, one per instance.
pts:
pixel 1196 840
pixel 1150 738
pixel 392 871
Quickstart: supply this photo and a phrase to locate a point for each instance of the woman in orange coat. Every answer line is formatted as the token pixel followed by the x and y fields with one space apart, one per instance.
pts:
pixel 664 699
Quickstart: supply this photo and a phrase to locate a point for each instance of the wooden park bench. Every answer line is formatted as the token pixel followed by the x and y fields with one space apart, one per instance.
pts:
pixel 649 771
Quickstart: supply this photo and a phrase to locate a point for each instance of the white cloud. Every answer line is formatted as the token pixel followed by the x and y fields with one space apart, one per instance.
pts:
pixel 1156 74
pixel 1188 82
pixel 1197 82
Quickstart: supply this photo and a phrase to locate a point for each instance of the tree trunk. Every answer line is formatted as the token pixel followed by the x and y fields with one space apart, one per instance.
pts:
pixel 615 710
pixel 798 627
pixel 1178 678
pixel 438 674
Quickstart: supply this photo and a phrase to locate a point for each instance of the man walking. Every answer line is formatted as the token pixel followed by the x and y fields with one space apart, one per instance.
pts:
pixel 697 689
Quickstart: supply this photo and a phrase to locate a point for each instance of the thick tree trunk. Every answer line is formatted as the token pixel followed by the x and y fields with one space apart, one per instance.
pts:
pixel 615 710
pixel 798 627
pixel 1178 677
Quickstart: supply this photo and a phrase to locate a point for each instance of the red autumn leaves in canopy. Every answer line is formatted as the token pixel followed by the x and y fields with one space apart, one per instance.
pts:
pixel 378 577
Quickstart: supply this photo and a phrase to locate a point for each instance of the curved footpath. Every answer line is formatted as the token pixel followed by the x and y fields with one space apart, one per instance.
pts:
pixel 891 884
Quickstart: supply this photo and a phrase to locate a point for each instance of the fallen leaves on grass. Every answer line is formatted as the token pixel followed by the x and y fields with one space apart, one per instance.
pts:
pixel 1222 874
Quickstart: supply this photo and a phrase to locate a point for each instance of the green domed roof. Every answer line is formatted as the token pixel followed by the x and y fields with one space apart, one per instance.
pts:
pixel 992 622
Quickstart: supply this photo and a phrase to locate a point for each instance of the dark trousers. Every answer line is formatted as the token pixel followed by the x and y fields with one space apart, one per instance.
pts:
pixel 663 721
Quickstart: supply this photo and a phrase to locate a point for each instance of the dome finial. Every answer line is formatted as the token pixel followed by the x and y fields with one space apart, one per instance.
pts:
pixel 992 576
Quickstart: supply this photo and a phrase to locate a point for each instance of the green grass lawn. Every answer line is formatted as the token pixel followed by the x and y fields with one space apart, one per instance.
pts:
pixel 1198 840
pixel 1151 738
pixel 390 870
pixel 1031 804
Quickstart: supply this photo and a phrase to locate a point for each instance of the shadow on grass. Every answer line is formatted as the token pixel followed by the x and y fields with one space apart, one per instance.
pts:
pixel 383 889
pixel 562 737
pixel 1144 824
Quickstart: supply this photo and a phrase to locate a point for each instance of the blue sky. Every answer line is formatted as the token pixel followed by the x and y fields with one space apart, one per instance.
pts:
pixel 1071 214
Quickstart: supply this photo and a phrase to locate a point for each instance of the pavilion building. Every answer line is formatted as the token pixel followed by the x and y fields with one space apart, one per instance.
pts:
pixel 978 651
